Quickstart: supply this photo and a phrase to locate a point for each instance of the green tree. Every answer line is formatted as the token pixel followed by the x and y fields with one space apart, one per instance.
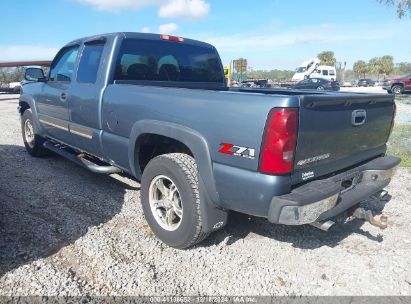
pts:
pixel 276 75
pixel 404 67
pixel 381 65
pixel 327 58
pixel 403 6
pixel 361 68
pixel 386 64
pixel 375 66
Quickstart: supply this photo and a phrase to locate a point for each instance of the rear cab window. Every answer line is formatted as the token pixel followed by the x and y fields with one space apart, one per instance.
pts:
pixel 158 61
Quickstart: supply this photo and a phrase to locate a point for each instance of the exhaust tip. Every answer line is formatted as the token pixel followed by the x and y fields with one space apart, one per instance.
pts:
pixel 324 226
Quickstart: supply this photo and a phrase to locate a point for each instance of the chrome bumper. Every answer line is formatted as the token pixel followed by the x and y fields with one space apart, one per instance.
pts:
pixel 322 199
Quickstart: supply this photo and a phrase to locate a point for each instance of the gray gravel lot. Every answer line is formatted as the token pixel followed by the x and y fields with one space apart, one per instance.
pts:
pixel 67 231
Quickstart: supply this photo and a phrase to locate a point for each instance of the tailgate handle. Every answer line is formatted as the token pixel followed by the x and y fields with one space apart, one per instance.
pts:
pixel 358 117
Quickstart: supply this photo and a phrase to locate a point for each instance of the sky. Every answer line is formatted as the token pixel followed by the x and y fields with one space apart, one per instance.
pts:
pixel 271 34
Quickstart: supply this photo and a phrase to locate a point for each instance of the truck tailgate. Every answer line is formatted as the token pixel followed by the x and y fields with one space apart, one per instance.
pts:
pixel 339 131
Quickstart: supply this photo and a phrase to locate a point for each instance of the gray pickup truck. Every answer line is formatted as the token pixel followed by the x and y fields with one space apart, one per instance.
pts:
pixel 157 107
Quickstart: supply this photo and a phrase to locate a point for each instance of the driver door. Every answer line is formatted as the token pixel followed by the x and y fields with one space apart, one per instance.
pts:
pixel 304 84
pixel 52 103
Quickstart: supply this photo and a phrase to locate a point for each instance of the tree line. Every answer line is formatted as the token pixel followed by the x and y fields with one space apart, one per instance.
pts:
pixel 374 68
pixel 8 75
pixel 378 66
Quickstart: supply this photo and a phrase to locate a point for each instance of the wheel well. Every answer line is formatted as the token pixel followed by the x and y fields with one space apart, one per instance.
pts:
pixel 23 107
pixel 149 146
pixel 398 84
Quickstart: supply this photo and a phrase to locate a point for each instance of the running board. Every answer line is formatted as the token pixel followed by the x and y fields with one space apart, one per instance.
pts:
pixel 80 160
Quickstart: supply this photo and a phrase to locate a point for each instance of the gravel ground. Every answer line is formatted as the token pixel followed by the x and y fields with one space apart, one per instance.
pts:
pixel 66 231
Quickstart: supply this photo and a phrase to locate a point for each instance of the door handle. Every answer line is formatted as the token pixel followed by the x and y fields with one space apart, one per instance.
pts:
pixel 63 96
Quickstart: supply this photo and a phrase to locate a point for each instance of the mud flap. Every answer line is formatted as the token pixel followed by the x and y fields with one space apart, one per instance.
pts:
pixel 214 218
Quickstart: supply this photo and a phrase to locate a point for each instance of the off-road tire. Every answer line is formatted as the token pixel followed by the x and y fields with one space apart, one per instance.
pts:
pixel 36 147
pixel 182 170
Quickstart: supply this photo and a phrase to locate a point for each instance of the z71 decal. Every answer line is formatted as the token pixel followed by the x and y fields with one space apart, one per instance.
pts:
pixel 231 149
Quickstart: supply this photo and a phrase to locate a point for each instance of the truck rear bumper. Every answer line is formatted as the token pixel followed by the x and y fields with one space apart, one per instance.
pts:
pixel 322 199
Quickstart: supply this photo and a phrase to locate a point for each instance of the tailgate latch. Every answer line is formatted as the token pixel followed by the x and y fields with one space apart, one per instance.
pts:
pixel 358 117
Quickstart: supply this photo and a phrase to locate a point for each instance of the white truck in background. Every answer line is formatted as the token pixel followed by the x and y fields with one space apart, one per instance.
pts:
pixel 312 69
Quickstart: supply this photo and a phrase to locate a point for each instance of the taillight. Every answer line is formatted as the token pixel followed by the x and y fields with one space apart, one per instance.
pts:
pixel 279 141
pixel 171 38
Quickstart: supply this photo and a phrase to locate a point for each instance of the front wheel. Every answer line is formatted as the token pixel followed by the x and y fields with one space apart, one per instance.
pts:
pixel 320 88
pixel 397 89
pixel 171 200
pixel 32 141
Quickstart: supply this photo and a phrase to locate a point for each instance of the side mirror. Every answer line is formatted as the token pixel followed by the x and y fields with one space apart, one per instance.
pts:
pixel 34 74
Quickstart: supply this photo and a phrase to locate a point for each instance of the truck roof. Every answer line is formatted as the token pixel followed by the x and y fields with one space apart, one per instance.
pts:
pixel 134 35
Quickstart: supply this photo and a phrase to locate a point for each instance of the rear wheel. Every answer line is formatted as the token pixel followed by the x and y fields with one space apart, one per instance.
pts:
pixel 32 141
pixel 397 89
pixel 320 88
pixel 171 200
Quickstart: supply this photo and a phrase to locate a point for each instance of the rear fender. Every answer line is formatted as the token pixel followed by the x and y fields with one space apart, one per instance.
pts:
pixel 214 216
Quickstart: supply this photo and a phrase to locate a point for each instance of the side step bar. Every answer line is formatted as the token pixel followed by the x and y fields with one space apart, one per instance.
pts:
pixel 78 159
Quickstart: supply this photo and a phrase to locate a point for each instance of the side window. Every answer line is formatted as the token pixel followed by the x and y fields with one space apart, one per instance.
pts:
pixel 89 62
pixel 325 72
pixel 63 68
pixel 332 73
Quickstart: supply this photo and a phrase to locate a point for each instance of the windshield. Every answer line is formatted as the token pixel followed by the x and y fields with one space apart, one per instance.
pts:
pixel 154 60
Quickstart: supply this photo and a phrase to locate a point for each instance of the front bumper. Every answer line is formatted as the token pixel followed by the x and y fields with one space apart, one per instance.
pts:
pixel 322 199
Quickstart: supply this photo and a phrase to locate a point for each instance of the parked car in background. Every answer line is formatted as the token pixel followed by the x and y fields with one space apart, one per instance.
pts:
pixel 398 85
pixel 255 83
pixel 247 85
pixel 15 87
pixel 320 84
pixel 346 84
pixel 366 83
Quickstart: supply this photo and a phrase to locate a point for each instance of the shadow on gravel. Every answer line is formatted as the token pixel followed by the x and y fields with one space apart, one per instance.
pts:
pixel 242 226
pixel 48 203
